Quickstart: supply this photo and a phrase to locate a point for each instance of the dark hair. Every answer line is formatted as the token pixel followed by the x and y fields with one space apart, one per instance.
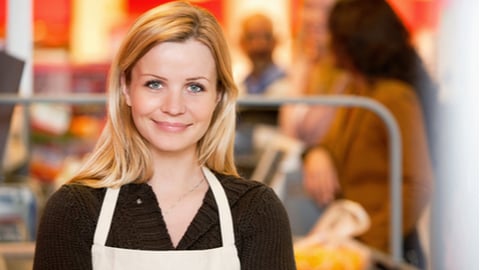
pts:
pixel 375 42
pixel 373 38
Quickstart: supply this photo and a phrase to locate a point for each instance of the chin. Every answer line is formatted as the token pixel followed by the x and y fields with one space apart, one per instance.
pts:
pixel 172 147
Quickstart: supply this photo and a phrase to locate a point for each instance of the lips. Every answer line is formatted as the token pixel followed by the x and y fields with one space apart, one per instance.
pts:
pixel 171 126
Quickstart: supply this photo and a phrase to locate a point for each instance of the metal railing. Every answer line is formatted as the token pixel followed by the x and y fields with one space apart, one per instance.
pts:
pixel 395 150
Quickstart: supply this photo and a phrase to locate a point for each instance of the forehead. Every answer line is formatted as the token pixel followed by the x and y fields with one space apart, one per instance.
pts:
pixel 188 47
pixel 317 5
pixel 186 56
pixel 257 23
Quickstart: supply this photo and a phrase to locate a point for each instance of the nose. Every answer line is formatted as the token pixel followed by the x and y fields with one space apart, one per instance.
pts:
pixel 173 103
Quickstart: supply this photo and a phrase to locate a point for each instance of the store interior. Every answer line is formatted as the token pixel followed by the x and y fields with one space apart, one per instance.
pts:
pixel 55 57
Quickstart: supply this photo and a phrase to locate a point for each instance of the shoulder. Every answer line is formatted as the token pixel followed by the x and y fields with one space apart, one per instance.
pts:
pixel 278 70
pixel 391 92
pixel 399 98
pixel 75 199
pixel 237 187
pixel 65 231
pixel 78 192
pixel 258 213
pixel 70 215
pixel 273 72
pixel 248 195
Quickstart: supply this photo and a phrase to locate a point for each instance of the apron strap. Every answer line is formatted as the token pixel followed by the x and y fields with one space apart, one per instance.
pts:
pixel 105 217
pixel 226 223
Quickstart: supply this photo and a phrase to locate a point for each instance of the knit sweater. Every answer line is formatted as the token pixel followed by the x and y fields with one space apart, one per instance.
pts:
pixel 261 226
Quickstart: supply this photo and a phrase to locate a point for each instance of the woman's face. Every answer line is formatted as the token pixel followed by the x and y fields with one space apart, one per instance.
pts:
pixel 172 95
pixel 315 18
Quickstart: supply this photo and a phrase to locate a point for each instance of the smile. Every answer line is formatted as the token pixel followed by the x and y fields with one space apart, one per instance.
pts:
pixel 171 126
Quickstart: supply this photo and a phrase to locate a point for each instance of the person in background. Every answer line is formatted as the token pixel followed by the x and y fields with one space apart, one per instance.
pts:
pixel 160 190
pixel 313 73
pixel 369 40
pixel 258 42
pixel 265 79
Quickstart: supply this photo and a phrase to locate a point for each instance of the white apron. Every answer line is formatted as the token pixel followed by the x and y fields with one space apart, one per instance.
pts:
pixel 222 258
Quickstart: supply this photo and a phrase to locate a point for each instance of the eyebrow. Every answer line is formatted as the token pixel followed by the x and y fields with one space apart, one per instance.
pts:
pixel 197 78
pixel 152 75
pixel 163 78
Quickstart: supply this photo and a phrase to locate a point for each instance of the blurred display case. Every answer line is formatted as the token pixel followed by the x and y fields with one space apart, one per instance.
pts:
pixel 62 133
pixel 59 125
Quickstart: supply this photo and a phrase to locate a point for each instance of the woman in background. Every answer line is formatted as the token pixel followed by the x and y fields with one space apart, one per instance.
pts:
pixel 313 73
pixel 371 43
pixel 160 190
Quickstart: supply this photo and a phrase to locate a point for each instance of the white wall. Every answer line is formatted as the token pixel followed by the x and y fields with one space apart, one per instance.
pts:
pixel 455 220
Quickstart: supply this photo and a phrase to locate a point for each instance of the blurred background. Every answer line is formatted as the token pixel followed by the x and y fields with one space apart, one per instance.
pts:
pixel 62 49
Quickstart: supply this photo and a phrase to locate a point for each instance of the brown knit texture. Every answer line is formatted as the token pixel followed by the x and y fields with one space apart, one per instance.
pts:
pixel 261 226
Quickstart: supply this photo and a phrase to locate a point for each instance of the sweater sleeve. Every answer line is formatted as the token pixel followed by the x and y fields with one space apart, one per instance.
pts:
pixel 267 242
pixel 65 232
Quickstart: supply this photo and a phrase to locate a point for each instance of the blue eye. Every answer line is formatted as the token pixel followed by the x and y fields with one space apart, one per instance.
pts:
pixel 195 88
pixel 154 84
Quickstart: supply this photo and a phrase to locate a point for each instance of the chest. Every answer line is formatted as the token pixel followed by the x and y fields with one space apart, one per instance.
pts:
pixel 140 224
pixel 104 255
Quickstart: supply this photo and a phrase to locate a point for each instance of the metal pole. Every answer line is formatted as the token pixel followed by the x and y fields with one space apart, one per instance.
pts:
pixel 19 43
pixel 19 39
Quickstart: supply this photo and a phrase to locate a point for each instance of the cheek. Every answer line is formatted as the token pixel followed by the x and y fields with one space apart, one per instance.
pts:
pixel 204 111
pixel 141 105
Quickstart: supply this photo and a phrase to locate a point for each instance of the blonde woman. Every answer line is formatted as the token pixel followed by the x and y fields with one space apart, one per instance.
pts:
pixel 160 190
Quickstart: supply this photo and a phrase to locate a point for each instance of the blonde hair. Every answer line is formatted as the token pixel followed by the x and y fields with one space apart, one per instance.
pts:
pixel 122 155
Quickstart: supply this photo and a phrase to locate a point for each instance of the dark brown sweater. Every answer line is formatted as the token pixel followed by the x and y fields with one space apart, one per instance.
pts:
pixel 262 230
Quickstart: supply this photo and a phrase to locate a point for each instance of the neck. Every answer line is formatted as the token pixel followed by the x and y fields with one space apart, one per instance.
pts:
pixel 360 82
pixel 260 66
pixel 175 169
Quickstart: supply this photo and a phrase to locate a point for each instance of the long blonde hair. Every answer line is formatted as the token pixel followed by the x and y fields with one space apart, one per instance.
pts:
pixel 122 155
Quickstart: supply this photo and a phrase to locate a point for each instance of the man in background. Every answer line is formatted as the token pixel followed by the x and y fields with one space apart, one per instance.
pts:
pixel 258 42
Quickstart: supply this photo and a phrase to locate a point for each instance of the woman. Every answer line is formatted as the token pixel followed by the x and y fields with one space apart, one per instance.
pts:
pixel 370 41
pixel 152 193
pixel 313 73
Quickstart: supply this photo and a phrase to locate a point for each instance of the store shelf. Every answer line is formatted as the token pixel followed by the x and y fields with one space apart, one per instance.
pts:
pixel 67 98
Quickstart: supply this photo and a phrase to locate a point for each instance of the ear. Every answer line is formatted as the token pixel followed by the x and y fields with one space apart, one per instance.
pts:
pixel 125 90
pixel 219 96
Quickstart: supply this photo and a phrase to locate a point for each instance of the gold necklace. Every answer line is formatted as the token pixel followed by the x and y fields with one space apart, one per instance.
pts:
pixel 169 209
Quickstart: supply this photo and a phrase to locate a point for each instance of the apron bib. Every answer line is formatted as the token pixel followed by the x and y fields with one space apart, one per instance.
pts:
pixel 221 258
